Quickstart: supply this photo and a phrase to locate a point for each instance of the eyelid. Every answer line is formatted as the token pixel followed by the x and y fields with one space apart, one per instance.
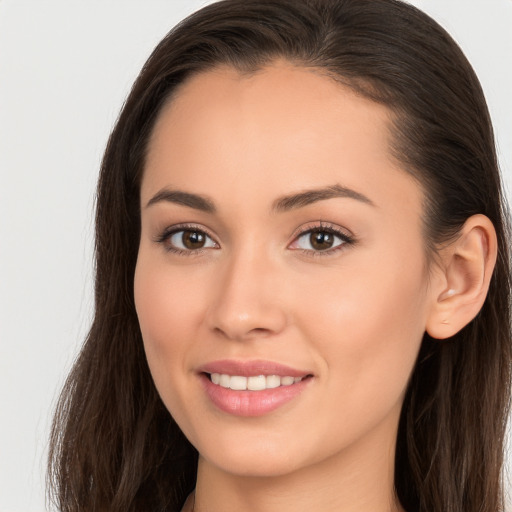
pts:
pixel 322 225
pixel 346 236
pixel 167 232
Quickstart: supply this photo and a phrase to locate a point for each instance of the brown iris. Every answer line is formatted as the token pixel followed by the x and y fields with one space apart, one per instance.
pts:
pixel 321 240
pixel 193 239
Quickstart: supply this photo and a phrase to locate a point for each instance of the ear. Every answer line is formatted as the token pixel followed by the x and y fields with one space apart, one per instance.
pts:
pixel 462 278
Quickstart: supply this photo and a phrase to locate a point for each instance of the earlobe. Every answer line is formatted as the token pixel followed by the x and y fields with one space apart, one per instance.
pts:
pixel 463 279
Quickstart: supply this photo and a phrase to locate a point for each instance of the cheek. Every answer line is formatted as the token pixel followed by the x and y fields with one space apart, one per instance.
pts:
pixel 168 311
pixel 368 325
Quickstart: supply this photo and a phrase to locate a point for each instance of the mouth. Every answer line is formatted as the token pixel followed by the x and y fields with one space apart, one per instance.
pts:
pixel 253 382
pixel 252 388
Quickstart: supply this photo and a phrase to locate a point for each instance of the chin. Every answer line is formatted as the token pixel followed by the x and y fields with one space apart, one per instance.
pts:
pixel 251 465
pixel 261 454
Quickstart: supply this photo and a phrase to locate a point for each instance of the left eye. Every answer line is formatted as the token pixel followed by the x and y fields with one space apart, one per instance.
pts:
pixel 318 240
pixel 190 239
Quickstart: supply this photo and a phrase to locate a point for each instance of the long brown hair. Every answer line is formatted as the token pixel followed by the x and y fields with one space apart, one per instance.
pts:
pixel 114 446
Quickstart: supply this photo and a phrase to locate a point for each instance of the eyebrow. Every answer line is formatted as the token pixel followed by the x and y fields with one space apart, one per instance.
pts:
pixel 282 204
pixel 195 201
pixel 307 197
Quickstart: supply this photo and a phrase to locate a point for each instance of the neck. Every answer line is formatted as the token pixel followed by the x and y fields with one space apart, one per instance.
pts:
pixel 357 480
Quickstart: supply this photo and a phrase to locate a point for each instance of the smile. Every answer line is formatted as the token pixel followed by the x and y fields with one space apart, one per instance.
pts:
pixel 252 388
pixel 253 383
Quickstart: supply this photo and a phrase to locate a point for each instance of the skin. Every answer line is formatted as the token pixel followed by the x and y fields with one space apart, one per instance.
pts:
pixel 353 317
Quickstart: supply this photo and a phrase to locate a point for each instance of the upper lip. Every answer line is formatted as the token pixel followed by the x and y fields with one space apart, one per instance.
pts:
pixel 251 368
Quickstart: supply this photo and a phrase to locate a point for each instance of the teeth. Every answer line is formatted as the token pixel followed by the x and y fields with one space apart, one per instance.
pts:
pixel 253 383
pixel 238 383
pixel 224 380
pixel 273 381
pixel 257 383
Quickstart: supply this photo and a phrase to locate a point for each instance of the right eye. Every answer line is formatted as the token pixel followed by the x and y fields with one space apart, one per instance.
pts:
pixel 187 240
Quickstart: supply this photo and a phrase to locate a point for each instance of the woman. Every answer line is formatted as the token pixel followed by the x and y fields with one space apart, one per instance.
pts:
pixel 303 280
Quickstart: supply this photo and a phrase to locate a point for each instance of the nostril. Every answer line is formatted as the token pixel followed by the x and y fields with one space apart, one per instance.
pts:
pixel 234 332
pixel 260 330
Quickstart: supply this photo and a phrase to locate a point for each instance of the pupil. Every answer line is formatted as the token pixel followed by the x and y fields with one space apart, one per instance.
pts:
pixel 321 240
pixel 193 239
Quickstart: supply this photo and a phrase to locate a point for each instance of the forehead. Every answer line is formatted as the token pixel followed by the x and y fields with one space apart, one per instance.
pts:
pixel 283 126
pixel 281 99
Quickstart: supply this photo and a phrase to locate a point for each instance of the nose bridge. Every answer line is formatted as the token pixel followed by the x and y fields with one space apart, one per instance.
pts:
pixel 247 303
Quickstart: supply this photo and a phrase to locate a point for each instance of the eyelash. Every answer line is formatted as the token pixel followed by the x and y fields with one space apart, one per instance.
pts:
pixel 166 235
pixel 323 227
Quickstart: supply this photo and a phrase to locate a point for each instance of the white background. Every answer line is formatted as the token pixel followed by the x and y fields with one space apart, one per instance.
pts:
pixel 65 68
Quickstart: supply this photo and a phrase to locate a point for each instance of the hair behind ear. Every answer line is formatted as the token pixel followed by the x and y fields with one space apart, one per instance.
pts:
pixel 455 412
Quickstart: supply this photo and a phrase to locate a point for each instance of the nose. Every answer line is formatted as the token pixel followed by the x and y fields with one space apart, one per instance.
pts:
pixel 247 303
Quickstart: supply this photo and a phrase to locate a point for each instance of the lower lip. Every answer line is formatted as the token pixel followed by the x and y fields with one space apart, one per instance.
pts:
pixel 251 403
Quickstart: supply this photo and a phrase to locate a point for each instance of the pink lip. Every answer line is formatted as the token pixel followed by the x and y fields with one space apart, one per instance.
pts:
pixel 251 403
pixel 248 368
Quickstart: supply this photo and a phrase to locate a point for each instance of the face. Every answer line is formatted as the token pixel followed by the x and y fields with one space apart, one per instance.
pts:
pixel 281 283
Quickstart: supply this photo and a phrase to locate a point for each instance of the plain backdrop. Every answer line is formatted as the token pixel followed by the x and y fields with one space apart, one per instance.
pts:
pixel 65 68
